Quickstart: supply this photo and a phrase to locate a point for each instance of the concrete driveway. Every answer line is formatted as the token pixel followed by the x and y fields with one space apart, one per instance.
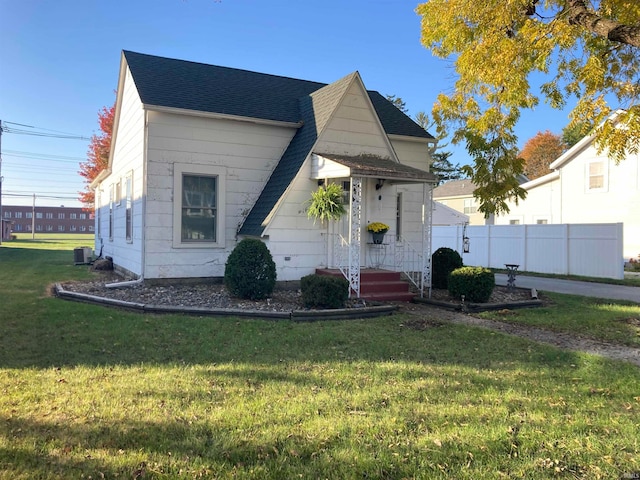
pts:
pixel 587 289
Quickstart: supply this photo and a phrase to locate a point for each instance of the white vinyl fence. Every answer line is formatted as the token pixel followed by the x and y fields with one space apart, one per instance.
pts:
pixel 592 250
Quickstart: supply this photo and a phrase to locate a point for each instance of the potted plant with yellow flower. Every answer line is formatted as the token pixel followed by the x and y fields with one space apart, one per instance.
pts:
pixel 378 229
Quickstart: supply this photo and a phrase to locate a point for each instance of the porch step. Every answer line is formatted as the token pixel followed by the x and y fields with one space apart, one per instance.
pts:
pixel 378 285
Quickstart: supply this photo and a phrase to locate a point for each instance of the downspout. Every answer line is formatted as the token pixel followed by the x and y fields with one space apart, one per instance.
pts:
pixel 143 205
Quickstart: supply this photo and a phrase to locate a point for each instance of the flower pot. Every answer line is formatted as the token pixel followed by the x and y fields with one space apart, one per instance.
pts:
pixel 378 237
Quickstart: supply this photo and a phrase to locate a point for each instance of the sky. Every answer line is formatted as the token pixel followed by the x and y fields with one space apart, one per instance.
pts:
pixel 59 64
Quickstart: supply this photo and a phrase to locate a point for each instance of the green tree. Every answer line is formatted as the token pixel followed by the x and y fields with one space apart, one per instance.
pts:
pixel 540 151
pixel 587 53
pixel 573 133
pixel 398 102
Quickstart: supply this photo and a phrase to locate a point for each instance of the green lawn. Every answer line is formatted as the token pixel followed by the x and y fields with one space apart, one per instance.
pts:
pixel 93 392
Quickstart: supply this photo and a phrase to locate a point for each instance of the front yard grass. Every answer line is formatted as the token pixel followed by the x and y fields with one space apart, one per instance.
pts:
pixel 93 392
pixel 601 319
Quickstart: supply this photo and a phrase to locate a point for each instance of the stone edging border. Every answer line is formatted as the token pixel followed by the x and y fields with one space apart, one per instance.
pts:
pixel 295 315
pixel 479 307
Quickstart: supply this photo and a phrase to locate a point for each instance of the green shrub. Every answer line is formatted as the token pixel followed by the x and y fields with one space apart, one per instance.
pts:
pixel 250 271
pixel 324 291
pixel 475 283
pixel 443 261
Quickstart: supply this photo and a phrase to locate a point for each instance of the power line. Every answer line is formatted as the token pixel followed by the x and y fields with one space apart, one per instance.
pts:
pixel 45 132
pixel 41 156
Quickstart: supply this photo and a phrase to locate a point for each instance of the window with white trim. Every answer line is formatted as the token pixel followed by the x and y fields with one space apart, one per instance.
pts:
pixel 597 176
pixel 469 206
pixel 199 193
pixel 128 198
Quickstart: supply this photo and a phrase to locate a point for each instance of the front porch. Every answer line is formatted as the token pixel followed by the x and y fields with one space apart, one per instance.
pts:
pixel 378 284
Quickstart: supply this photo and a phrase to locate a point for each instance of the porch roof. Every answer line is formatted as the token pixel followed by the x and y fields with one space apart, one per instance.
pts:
pixel 377 167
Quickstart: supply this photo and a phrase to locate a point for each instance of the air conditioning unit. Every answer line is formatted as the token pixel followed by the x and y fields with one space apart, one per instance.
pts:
pixel 82 255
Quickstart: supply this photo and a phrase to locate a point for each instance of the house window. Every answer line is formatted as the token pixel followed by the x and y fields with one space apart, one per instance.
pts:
pixel 514 222
pixel 596 173
pixel 61 216
pixel 399 216
pixel 469 206
pixel 83 216
pixel 61 228
pixel 542 221
pixel 118 192
pixel 29 215
pixel 198 206
pixel 17 227
pixel 73 216
pixel 7 214
pixel 49 228
pixel 49 216
pixel 38 228
pixel 128 187
pixel 83 228
pixel 72 228
pixel 39 215
pixel 111 198
pixel 18 214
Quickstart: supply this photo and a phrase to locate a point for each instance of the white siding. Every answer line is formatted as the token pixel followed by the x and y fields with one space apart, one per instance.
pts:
pixel 353 129
pixel 568 200
pixel 246 152
pixel 128 156
pixel 413 153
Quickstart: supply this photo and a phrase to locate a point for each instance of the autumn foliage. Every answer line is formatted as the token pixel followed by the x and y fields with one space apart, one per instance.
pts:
pixel 97 155
pixel 540 151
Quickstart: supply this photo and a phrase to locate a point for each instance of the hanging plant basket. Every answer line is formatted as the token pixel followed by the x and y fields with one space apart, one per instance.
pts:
pixel 326 203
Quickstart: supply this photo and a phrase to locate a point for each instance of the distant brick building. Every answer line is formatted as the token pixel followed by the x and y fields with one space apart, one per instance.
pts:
pixel 25 219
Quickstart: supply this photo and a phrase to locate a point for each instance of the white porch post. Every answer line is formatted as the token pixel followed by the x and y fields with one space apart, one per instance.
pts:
pixel 427 215
pixel 355 204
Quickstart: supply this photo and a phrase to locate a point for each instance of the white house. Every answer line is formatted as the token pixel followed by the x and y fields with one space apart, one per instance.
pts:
pixel 584 187
pixel 204 155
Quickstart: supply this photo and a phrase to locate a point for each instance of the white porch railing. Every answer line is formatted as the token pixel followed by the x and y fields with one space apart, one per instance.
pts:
pixel 395 255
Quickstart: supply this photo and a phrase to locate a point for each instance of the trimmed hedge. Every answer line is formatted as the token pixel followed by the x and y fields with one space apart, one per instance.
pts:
pixel 443 261
pixel 324 291
pixel 475 283
pixel 250 271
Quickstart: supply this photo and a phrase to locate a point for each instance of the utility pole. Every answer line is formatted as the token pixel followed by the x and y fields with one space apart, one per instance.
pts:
pixel 1 217
pixel 33 218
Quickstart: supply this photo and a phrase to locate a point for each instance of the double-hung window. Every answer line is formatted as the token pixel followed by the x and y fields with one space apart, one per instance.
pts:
pixel 198 206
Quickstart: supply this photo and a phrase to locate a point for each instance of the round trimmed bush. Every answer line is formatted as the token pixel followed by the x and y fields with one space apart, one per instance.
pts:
pixel 443 261
pixel 250 271
pixel 323 291
pixel 475 283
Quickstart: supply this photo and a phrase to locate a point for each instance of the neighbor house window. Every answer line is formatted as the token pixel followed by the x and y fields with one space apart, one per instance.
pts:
pixel 18 214
pixel 469 206
pixel 61 228
pixel 73 216
pixel 38 214
pixel 514 222
pixel 542 221
pixel 128 188
pixel 61 216
pixel 83 216
pixel 49 215
pixel 29 214
pixel 198 206
pixel 596 173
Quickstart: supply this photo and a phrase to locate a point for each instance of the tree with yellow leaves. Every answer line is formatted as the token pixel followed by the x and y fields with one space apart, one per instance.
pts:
pixel 587 52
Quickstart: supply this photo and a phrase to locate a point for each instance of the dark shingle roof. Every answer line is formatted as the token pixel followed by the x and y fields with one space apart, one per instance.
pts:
pixel 188 85
pixel 165 82
pixel 374 166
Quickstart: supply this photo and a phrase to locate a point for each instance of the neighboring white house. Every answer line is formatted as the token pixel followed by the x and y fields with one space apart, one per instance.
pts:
pixel 584 187
pixel 203 156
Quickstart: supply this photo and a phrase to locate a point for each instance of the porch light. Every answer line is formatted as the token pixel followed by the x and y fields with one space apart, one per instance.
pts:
pixel 380 183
